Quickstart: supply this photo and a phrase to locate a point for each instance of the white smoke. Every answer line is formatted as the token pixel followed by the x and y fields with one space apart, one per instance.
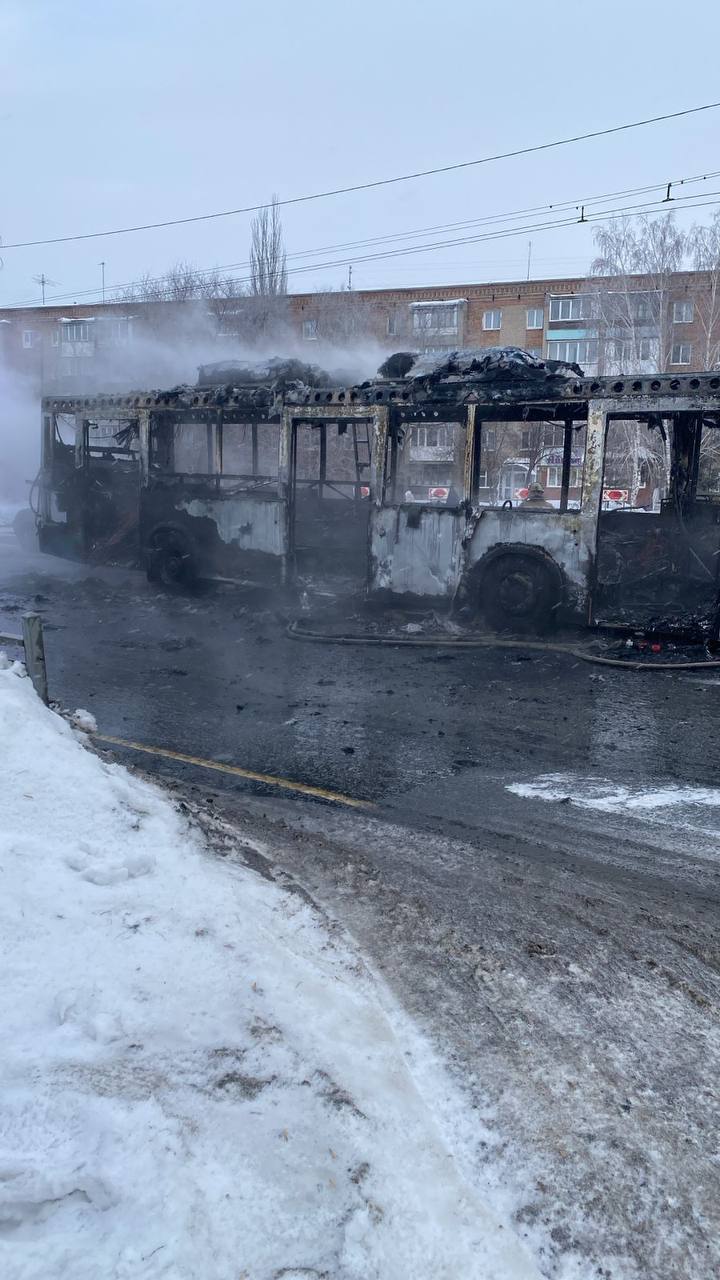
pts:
pixel 156 356
pixel 169 351
pixel 19 437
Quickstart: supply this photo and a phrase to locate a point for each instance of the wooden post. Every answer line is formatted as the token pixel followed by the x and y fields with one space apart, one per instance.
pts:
pixel 35 654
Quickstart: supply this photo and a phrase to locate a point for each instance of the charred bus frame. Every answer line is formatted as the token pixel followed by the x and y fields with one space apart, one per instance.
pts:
pixel 517 564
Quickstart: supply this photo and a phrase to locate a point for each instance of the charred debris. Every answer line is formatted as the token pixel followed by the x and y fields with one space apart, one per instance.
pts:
pixel 274 380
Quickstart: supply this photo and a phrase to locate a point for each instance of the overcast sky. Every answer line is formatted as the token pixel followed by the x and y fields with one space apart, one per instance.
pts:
pixel 117 113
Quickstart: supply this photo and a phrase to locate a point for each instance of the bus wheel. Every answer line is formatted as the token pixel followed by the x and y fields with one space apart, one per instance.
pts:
pixel 170 559
pixel 520 592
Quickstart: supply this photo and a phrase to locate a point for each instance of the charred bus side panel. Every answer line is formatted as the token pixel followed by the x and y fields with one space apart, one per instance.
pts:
pixel 212 504
pixel 385 487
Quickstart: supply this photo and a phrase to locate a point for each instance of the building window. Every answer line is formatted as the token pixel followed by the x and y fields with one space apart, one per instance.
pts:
pixel 28 338
pixel 535 316
pixel 120 332
pixel 392 325
pixel 436 437
pixel 435 319
pixel 575 308
pixel 573 351
pixel 55 338
pixel 492 319
pixel 553 477
pixel 683 313
pixel 681 353
pixel 76 331
pixel 626 353
pixel 643 310
pixel 482 480
pixel 310 330
pixel 488 438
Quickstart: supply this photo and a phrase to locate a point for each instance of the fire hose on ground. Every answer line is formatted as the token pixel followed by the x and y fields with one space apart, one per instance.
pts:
pixel 298 632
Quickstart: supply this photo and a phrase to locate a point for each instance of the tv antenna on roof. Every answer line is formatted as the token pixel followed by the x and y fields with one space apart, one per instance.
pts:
pixel 42 280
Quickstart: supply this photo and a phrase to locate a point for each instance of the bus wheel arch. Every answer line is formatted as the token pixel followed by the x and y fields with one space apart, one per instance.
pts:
pixel 170 556
pixel 518 587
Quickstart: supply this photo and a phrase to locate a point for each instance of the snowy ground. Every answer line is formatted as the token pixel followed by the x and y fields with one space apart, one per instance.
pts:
pixel 200 1078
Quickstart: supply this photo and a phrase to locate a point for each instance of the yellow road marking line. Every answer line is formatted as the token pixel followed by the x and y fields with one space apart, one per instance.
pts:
pixel 303 787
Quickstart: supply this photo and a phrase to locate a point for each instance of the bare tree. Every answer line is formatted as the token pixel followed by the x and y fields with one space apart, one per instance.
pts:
pixel 631 311
pixel 179 284
pixel 704 247
pixel 630 307
pixel 268 270
pixel 344 318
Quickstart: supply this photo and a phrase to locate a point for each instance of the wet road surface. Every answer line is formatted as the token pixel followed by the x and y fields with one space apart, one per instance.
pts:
pixel 561 943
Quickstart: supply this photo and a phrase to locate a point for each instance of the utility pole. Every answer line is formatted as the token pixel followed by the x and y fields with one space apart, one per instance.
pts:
pixel 349 284
pixel 102 268
pixel 529 257
pixel 42 280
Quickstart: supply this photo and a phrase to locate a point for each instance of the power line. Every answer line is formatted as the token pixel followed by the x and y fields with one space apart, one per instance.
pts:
pixel 494 235
pixel 367 186
pixel 583 203
pixel 603 216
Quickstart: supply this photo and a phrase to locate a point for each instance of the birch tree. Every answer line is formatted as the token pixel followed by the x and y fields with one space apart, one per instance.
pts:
pixel 704 249
pixel 631 310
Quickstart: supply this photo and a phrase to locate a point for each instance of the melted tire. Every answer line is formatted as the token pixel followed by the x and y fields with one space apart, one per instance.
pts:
pixel 170 560
pixel 520 593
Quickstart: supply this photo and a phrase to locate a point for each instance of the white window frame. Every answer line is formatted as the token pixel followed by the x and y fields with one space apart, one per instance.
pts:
pixel 310 330
pixel 482 479
pixel 432 436
pixel 679 348
pixel 28 339
pixel 488 320
pixel 534 312
pixel 392 325
pixel 683 311
pixel 585 350
pixel 76 331
pixel 120 332
pixel 570 306
pixel 435 317
pixel 556 482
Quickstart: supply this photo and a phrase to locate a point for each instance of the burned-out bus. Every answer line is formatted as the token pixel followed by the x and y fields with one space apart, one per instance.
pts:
pixel 385 486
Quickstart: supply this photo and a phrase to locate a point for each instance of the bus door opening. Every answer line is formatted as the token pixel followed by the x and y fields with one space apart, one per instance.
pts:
pixel 658 549
pixel 330 497
pixel 110 470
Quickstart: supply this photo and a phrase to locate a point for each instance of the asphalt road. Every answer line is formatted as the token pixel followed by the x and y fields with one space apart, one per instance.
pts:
pixel 562 951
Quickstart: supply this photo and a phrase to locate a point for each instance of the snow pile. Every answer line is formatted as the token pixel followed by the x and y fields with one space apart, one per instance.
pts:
pixel 84 720
pixel 198 1080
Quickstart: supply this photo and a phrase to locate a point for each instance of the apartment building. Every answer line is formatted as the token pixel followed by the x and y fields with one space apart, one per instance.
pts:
pixel 597 323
